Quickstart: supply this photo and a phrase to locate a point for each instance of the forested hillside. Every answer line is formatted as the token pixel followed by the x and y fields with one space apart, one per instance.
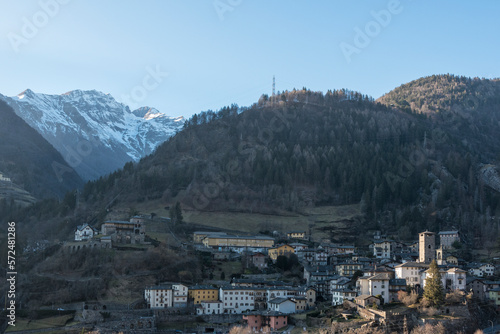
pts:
pixel 410 170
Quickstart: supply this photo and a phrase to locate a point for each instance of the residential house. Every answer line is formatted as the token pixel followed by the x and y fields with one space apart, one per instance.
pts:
pixel 297 246
pixel 487 269
pixel 237 299
pixel 410 271
pixel 313 257
pixel 311 295
pixel 259 260
pixel 452 260
pixel 256 321
pixel 313 274
pixel 339 283
pixel 199 293
pixel 340 295
pixel 180 295
pixel 375 285
pixel 349 268
pixel 282 250
pixel 282 305
pixel 300 304
pixel 208 307
pixel 85 232
pixel 476 272
pixel 494 295
pixel 221 255
pixel 273 292
pixel 159 296
pixel 382 249
pixel 346 249
pixel 366 300
pixel 452 279
pixel 455 279
pixel 478 287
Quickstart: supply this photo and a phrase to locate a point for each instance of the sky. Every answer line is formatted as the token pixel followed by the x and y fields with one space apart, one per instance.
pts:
pixel 183 57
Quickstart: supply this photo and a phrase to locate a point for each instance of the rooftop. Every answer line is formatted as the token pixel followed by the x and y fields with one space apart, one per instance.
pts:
pixel 279 300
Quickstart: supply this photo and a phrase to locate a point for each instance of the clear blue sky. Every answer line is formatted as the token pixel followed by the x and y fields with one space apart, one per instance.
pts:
pixel 217 56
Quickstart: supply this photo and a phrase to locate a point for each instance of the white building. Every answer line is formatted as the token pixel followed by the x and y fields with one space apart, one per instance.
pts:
pixel 382 249
pixel 85 232
pixel 159 296
pixel 339 283
pixel 375 285
pixel 210 307
pixel 410 271
pixel 180 295
pixel 476 272
pixel 452 279
pixel 487 269
pixel 237 299
pixel 455 279
pixel 283 305
pixel 339 295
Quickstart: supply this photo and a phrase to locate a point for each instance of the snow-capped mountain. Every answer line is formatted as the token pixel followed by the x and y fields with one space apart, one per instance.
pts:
pixel 94 133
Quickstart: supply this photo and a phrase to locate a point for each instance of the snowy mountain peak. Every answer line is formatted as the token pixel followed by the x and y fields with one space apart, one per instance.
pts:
pixel 143 111
pixel 93 131
pixel 28 92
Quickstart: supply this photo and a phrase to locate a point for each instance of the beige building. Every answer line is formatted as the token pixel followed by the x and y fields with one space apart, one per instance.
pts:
pixel 284 250
pixel 426 247
pixel 200 235
pixel 238 243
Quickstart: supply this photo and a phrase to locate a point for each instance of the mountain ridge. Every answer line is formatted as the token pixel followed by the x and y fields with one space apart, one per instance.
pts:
pixel 95 134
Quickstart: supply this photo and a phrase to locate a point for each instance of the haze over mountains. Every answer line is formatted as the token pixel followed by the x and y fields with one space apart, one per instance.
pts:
pixel 94 133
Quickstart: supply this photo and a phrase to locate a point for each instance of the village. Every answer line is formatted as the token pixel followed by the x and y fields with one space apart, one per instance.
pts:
pixel 375 286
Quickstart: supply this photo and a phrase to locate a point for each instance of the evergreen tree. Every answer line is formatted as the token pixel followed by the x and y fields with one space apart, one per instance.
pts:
pixel 433 291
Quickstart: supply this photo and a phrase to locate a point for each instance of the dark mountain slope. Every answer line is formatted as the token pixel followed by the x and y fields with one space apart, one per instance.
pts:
pixel 308 149
pixel 466 108
pixel 30 161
